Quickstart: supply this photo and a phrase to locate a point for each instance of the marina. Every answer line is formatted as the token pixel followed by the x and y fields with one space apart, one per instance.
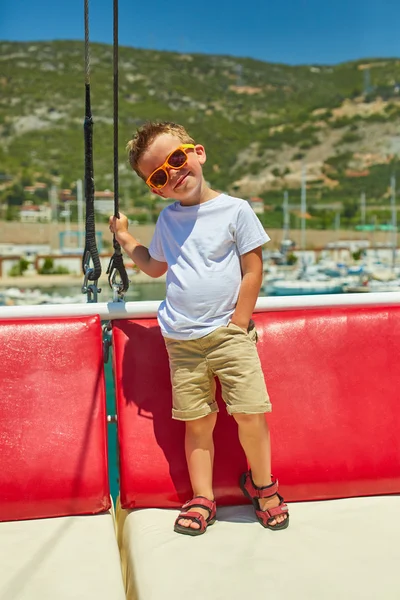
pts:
pixel 347 265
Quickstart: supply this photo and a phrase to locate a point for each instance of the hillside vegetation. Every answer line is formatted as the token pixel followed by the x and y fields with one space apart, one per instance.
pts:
pixel 260 122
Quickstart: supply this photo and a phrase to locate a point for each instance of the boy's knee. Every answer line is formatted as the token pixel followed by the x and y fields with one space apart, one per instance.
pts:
pixel 202 425
pixel 249 420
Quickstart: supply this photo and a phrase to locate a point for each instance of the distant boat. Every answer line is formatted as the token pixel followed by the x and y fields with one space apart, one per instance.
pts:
pixel 16 296
pixel 300 287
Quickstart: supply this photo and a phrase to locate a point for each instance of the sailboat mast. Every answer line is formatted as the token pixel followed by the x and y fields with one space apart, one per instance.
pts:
pixel 394 219
pixel 285 215
pixel 303 208
pixel 362 207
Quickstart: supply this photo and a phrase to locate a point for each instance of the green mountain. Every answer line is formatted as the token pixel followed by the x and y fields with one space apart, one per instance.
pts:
pixel 260 122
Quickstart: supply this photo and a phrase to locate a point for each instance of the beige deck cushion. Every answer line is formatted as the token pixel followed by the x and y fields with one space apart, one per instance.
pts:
pixel 337 549
pixel 65 558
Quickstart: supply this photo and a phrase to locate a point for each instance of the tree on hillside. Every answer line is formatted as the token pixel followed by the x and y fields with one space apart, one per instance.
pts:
pixel 15 196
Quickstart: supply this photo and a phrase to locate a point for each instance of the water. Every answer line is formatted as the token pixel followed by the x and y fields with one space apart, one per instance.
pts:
pixel 136 292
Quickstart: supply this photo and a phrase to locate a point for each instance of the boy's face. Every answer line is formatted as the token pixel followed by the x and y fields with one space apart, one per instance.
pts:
pixel 183 184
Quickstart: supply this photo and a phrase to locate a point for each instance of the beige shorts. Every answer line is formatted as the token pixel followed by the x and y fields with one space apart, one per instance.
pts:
pixel 228 353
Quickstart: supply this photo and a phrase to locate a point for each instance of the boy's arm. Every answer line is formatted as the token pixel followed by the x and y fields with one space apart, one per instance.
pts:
pixel 138 253
pixel 252 277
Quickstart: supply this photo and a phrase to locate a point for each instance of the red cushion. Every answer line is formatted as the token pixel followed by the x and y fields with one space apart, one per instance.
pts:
pixel 334 381
pixel 333 378
pixel 53 444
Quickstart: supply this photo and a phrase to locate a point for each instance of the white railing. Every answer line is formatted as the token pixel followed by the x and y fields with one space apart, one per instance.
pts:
pixel 129 310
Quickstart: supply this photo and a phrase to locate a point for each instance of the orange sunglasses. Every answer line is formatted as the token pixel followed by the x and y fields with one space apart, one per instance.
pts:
pixel 176 160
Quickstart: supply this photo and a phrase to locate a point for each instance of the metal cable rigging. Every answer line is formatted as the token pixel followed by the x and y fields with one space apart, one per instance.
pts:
pixel 116 265
pixel 91 265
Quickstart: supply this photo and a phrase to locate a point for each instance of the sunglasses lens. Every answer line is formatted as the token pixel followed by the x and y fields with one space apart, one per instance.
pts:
pixel 177 159
pixel 159 178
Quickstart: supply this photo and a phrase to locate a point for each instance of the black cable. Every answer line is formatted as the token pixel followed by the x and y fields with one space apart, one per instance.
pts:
pixel 115 88
pixel 116 264
pixel 90 250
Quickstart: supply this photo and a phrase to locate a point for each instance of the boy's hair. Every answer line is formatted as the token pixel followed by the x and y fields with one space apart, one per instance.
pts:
pixel 146 134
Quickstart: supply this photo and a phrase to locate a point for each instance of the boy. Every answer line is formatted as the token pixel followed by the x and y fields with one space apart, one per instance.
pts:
pixel 210 246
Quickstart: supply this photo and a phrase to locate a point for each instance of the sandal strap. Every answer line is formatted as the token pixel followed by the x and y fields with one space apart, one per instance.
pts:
pixel 276 511
pixel 200 502
pixel 260 492
pixel 271 513
pixel 193 516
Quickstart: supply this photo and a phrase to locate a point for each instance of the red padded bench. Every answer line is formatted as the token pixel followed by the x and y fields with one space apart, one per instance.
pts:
pixel 53 448
pixel 334 379
pixel 327 372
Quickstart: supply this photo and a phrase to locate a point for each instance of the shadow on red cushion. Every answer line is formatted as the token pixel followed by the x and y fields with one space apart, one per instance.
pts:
pixel 334 382
pixel 153 469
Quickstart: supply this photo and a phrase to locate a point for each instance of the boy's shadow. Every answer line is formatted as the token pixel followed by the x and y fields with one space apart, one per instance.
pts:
pixel 146 385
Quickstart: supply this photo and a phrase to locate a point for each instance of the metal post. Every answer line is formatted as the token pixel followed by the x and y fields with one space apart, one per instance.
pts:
pixel 53 202
pixel 394 219
pixel 337 225
pixel 362 207
pixel 67 209
pixel 303 208
pixel 286 223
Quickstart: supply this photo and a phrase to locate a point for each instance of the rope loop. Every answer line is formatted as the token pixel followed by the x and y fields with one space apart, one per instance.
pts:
pixel 116 269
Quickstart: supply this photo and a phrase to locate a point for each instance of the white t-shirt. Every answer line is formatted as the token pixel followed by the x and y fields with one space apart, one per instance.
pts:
pixel 202 245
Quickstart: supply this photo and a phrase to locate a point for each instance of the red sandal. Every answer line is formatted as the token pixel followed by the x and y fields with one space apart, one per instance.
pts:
pixel 193 515
pixel 253 493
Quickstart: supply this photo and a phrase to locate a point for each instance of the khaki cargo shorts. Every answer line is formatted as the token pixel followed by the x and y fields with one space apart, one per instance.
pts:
pixel 228 353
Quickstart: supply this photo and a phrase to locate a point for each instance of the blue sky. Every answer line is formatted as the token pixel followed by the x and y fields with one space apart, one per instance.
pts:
pixel 293 31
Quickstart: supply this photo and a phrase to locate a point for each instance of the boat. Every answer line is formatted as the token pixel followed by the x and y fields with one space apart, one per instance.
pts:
pixel 303 287
pixel 309 279
pixel 17 296
pixel 331 363
pixel 65 539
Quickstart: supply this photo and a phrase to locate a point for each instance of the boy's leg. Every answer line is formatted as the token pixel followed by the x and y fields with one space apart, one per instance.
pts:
pixel 236 363
pixel 193 394
pixel 255 440
pixel 199 448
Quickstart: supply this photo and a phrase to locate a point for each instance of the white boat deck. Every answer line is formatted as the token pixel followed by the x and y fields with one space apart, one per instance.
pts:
pixel 345 549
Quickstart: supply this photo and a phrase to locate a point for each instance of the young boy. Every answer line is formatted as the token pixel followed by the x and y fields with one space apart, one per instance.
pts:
pixel 209 244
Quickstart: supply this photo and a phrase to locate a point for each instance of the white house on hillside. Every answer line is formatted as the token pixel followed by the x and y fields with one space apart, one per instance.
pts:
pixel 32 213
pixel 257 204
